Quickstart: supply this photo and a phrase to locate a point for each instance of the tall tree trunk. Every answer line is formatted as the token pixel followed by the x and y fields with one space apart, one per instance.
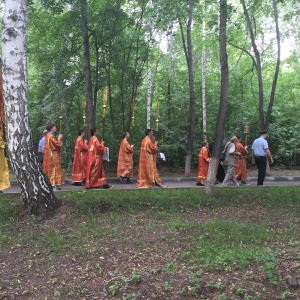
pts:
pixel 189 59
pixel 272 96
pixel 149 72
pixel 219 133
pixel 170 48
pixel 37 192
pixel 258 68
pixel 149 91
pixel 204 73
pixel 91 105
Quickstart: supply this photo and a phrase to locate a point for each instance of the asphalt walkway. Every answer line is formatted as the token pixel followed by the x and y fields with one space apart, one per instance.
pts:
pixel 180 182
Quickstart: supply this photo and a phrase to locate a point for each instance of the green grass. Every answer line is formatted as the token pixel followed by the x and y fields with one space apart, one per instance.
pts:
pixel 217 244
pixel 183 232
pixel 225 245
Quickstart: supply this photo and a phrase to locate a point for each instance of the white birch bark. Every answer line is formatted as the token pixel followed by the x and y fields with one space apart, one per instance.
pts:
pixel 204 73
pixel 149 89
pixel 36 191
pixel 170 51
pixel 149 72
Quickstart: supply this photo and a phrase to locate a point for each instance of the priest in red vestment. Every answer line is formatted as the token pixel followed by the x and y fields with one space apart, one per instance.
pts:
pixel 147 172
pixel 80 159
pixel 125 160
pixel 51 159
pixel 95 174
pixel 203 163
pixel 241 172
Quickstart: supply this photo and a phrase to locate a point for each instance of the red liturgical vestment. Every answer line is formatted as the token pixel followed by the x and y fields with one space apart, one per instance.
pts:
pixel 79 161
pixel 147 173
pixel 125 161
pixel 51 160
pixel 95 174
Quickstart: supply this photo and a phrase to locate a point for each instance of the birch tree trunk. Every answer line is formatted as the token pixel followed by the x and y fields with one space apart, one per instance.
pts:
pixel 149 88
pixel 149 73
pixel 219 133
pixel 170 52
pixel 37 193
pixel 204 73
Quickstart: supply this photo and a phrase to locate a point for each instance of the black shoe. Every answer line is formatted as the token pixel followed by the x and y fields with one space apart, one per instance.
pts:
pixel 121 178
pixel 129 181
pixel 245 183
pixel 76 183
pixel 107 187
pixel 163 186
pixel 200 184
pixel 56 188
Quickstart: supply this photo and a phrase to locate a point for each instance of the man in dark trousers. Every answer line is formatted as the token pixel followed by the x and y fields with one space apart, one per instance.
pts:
pixel 260 151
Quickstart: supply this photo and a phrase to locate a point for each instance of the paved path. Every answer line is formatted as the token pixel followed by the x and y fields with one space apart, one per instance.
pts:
pixel 170 182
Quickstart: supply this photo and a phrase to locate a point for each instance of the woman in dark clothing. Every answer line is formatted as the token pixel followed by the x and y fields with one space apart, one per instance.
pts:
pixel 220 172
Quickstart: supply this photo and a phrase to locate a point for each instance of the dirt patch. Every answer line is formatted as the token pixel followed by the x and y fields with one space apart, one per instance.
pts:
pixel 139 264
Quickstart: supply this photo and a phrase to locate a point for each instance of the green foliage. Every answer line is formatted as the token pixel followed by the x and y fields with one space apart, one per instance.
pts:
pixel 168 287
pixel 269 268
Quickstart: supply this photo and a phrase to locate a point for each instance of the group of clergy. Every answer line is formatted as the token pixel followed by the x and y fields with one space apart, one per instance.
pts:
pixel 88 166
pixel 88 161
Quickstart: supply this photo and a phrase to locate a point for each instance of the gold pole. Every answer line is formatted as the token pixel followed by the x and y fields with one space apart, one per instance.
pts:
pixel 61 111
pixel 246 132
pixel 157 116
pixel 104 100
pixel 83 105
pixel 132 110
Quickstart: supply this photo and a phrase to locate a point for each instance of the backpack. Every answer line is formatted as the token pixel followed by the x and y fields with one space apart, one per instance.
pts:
pixel 223 154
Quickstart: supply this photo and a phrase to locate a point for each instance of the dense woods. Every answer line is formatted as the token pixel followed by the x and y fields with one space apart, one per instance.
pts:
pixel 75 48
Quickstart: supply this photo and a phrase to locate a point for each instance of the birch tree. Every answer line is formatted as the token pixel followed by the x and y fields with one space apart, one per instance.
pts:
pixel 37 193
pixel 170 52
pixel 149 71
pixel 204 73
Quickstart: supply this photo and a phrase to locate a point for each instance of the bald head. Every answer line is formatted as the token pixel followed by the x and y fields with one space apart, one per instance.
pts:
pixel 234 139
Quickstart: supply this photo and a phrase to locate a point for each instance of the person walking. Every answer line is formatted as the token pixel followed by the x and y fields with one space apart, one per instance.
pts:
pixel 260 152
pixel 231 160
pixel 220 171
pixel 80 159
pixel 203 163
pixel 51 157
pixel 147 172
pixel 41 147
pixel 241 166
pixel 95 174
pixel 125 160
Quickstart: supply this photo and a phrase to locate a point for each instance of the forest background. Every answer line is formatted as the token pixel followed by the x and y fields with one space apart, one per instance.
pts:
pixel 139 50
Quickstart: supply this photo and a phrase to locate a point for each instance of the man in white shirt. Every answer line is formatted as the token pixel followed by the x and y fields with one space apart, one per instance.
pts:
pixel 260 151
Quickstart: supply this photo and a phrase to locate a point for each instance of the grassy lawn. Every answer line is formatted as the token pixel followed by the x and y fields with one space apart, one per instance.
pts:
pixel 154 244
